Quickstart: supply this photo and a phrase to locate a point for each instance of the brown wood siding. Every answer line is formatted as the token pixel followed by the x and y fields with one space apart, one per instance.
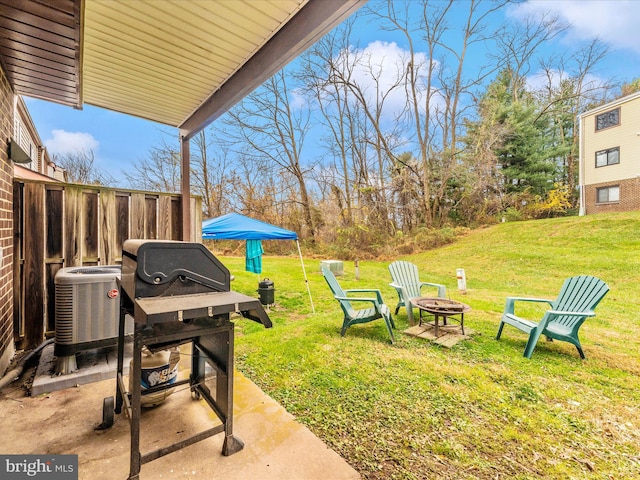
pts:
pixel 40 48
pixel 108 228
pixel 54 254
pixel 122 224
pixel 90 222
pixel 137 220
pixel 71 225
pixel 176 215
pixel 50 296
pixel 54 223
pixel 33 280
pixel 164 218
pixel 63 225
pixel 151 217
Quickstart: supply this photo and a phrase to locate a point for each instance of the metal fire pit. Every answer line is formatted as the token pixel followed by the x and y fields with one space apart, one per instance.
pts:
pixel 178 292
pixel 441 308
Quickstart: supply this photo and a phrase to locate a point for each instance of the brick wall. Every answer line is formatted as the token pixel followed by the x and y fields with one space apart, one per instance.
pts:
pixel 629 197
pixel 7 348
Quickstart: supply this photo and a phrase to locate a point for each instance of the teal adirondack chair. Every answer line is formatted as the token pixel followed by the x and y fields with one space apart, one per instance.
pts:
pixel 352 316
pixel 407 283
pixel 578 298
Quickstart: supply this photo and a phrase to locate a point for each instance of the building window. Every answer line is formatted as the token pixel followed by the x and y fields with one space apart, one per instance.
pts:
pixel 610 156
pixel 608 119
pixel 608 194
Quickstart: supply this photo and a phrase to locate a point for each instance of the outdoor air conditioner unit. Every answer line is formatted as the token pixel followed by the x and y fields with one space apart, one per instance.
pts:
pixel 87 308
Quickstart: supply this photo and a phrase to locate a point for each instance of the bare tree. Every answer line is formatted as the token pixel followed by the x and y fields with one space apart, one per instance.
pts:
pixel 273 127
pixel 436 84
pixel 455 90
pixel 332 101
pixel 159 172
pixel 406 192
pixel 80 167
pixel 353 90
pixel 210 173
pixel 253 179
pixel 517 45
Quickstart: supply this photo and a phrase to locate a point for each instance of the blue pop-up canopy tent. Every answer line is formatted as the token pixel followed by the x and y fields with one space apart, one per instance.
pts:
pixel 234 226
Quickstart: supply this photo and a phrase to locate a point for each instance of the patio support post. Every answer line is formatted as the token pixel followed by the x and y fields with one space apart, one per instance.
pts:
pixel 185 188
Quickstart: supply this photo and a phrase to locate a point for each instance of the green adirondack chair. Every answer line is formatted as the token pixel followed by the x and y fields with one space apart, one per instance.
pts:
pixel 353 316
pixel 407 283
pixel 578 298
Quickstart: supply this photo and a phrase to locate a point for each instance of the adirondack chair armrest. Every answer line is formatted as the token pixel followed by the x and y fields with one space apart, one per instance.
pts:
pixel 442 290
pixel 574 314
pixel 374 301
pixel 366 290
pixel 511 303
pixel 401 290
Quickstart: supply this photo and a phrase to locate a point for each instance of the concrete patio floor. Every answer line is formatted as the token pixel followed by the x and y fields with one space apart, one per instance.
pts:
pixel 63 422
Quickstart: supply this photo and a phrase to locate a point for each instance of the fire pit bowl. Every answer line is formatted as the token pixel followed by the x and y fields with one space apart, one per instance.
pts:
pixel 439 304
pixel 441 308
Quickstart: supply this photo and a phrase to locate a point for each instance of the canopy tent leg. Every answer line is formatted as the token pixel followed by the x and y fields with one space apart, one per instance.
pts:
pixel 306 281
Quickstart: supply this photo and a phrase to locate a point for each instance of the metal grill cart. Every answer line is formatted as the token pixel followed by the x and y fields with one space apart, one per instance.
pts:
pixel 178 292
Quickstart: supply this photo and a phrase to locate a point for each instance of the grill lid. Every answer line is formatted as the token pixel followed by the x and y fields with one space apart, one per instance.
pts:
pixel 172 281
pixel 152 268
pixel 160 262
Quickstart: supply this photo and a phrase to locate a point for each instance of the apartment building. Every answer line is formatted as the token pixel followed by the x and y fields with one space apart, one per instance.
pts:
pixel 610 157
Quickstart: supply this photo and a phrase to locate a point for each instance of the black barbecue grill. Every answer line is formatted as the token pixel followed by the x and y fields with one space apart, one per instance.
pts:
pixel 179 292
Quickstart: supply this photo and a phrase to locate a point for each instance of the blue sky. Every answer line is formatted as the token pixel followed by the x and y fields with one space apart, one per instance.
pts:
pixel 118 140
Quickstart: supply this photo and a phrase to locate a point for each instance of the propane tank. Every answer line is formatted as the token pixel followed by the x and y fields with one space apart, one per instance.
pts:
pixel 157 368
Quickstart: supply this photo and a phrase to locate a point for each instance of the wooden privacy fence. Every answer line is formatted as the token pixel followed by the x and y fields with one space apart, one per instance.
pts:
pixel 59 225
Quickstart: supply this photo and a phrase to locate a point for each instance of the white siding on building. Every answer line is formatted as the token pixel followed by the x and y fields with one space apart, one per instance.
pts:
pixel 625 136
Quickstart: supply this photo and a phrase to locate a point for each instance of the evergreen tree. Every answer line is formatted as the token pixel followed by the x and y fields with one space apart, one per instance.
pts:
pixel 522 153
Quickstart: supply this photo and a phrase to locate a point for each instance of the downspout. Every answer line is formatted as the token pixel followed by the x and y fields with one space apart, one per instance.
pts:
pixel 582 208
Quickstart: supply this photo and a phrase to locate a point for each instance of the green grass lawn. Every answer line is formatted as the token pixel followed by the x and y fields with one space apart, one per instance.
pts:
pixel 415 410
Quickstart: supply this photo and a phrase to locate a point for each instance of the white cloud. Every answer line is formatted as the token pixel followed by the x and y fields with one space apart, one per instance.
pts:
pixel 63 142
pixel 552 79
pixel 378 67
pixel 297 99
pixel 543 79
pixel 614 22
